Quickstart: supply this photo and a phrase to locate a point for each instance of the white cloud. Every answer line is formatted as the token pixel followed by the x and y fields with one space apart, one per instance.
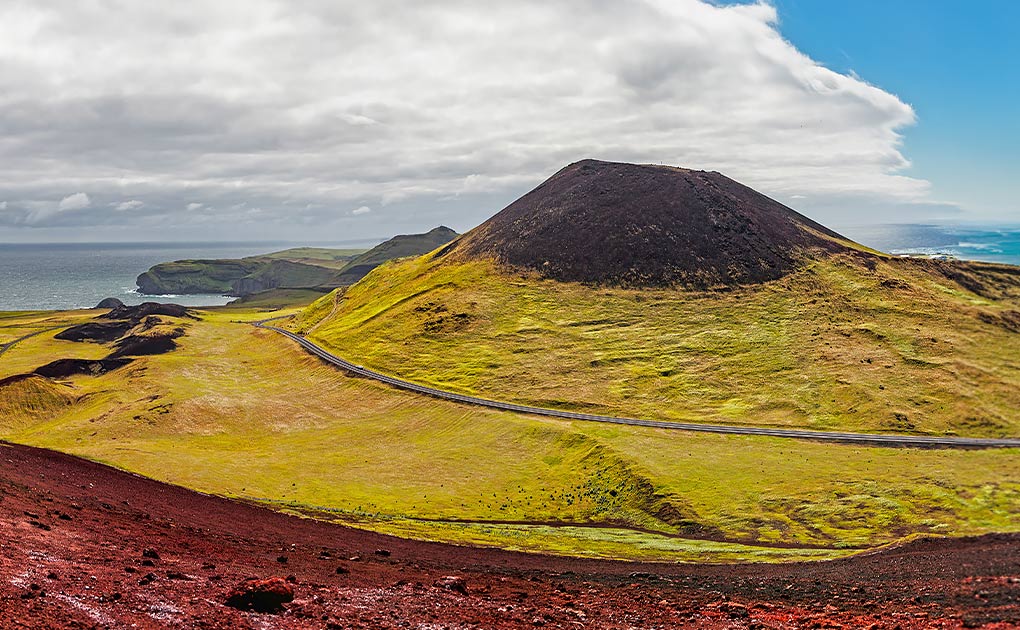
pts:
pixel 442 111
pixel 3 205
pixel 132 204
pixel 77 201
pixel 361 210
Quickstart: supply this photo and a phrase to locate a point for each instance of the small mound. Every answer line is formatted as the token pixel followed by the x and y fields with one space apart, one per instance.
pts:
pixel 646 225
pixel 95 331
pixel 110 302
pixel 62 368
pixel 120 320
pixel 137 313
pixel 25 398
pixel 138 345
pixel 136 331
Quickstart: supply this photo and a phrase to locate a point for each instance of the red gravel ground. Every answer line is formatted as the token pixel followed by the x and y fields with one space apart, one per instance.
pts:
pixel 86 546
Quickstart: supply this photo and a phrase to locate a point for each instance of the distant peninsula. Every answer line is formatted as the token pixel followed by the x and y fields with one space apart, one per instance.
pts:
pixel 297 268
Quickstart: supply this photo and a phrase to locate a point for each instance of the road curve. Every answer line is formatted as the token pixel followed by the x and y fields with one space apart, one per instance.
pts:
pixel 918 441
pixel 4 347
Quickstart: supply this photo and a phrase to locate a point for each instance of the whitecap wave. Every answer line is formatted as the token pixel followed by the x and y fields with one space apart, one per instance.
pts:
pixel 926 251
pixel 994 248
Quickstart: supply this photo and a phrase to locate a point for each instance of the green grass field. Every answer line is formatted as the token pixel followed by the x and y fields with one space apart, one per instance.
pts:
pixel 25 356
pixel 887 347
pixel 326 257
pixel 245 413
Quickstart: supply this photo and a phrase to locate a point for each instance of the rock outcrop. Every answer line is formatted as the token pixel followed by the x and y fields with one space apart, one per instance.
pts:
pixel 138 312
pixel 265 596
pixel 110 302
pixel 100 332
pixel 137 330
pixel 62 368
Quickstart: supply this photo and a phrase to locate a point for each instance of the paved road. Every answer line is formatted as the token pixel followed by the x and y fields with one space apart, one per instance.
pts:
pixel 4 347
pixel 827 436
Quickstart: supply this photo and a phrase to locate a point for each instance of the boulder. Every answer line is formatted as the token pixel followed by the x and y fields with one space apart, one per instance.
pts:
pixel 266 596
pixel 453 583
pixel 110 302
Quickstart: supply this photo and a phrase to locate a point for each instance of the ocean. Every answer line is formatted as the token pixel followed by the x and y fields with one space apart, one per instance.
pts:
pixel 79 275
pixel 999 244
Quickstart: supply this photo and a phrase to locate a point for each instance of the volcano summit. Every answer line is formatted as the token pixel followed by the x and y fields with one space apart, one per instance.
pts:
pixel 648 225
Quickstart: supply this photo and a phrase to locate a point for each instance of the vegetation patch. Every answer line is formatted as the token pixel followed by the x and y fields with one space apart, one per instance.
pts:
pixel 26 399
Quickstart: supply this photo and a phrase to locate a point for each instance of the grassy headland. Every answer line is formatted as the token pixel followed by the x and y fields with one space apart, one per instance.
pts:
pixel 308 268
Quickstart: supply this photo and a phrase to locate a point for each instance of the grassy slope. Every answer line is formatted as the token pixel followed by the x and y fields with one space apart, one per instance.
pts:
pixel 893 349
pixel 299 267
pixel 286 274
pixel 198 276
pixel 404 245
pixel 275 299
pixel 27 355
pixel 245 413
pixel 228 276
pixel 16 324
pixel 322 256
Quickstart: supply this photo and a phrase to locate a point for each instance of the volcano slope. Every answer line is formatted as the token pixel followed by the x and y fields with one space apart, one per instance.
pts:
pixel 624 224
pixel 662 293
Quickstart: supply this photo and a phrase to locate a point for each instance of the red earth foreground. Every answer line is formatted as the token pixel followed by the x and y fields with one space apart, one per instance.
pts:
pixel 86 546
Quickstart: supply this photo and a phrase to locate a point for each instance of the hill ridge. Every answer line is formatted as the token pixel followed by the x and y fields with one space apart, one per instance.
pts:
pixel 319 269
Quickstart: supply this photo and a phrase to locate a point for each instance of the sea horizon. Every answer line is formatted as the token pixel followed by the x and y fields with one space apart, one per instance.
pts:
pixel 75 275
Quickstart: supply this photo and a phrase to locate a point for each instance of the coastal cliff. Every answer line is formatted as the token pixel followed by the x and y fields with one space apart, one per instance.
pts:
pixel 299 268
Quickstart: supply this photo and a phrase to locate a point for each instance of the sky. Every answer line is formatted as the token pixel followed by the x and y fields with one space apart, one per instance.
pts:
pixel 334 120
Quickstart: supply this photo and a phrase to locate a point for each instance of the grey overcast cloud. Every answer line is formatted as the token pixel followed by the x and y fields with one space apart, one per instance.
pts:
pixel 344 120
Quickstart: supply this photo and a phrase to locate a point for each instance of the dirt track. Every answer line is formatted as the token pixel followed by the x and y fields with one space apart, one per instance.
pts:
pixel 73 535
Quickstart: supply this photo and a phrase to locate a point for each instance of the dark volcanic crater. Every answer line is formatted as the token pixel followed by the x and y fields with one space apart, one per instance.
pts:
pixel 647 225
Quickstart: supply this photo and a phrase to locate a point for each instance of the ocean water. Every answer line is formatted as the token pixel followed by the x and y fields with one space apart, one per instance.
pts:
pixel 66 276
pixel 999 244
pixel 79 275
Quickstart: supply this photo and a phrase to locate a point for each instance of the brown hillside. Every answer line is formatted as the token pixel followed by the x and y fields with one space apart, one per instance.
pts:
pixel 647 225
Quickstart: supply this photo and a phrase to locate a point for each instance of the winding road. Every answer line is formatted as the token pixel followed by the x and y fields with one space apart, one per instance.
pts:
pixel 917 441
pixel 4 347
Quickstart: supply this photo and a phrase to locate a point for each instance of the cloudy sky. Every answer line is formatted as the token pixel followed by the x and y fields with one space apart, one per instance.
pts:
pixel 337 120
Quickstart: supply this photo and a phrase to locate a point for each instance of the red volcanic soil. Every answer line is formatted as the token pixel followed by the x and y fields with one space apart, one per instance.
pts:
pixel 86 546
